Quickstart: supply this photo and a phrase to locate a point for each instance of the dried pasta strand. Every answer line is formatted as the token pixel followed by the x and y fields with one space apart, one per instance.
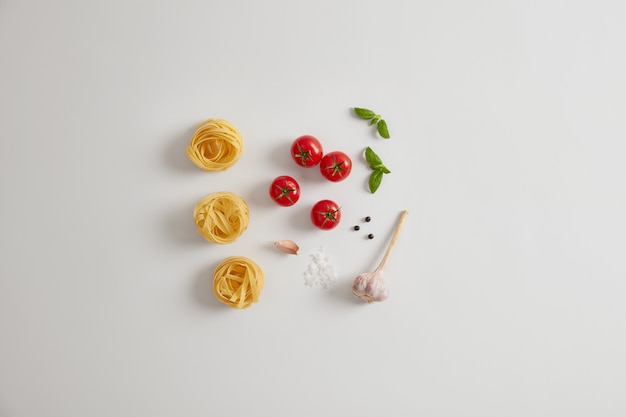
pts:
pixel 238 281
pixel 215 146
pixel 221 217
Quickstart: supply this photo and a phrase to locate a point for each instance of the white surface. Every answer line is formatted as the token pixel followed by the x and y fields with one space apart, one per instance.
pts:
pixel 508 143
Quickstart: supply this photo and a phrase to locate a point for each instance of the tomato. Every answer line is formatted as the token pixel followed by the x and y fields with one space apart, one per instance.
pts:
pixel 336 166
pixel 285 190
pixel 306 151
pixel 325 214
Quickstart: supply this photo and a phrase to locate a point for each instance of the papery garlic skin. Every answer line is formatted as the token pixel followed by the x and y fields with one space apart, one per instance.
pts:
pixel 371 287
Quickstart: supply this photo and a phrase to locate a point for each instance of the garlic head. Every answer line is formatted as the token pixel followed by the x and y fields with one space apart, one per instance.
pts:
pixel 371 287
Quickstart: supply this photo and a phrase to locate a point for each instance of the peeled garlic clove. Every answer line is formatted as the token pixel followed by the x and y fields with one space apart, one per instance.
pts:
pixel 371 287
pixel 287 246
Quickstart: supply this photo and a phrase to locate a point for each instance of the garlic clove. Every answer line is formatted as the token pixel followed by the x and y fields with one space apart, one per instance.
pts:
pixel 287 246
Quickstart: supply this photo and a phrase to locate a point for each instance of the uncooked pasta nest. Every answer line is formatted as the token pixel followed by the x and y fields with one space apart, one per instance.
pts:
pixel 221 217
pixel 238 281
pixel 215 146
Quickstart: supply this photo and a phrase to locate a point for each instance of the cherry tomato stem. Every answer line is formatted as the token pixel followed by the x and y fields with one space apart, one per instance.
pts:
pixel 285 191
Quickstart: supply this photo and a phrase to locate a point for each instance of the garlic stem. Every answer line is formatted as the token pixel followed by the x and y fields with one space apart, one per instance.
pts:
pixel 394 239
pixel 372 286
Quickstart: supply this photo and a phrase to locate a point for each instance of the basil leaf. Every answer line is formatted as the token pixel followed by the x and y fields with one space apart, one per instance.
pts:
pixel 385 170
pixel 364 113
pixel 372 159
pixel 382 129
pixel 375 180
pixel 374 119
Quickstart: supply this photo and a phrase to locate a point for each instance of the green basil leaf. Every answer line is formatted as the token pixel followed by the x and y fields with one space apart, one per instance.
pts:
pixel 375 180
pixel 364 113
pixel 385 170
pixel 382 129
pixel 372 159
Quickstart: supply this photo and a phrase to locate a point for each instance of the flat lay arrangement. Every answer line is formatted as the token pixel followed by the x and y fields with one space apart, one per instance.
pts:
pixel 222 217
pixel 315 208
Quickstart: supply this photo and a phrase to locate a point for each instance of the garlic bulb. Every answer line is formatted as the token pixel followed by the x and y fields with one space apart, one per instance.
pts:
pixel 372 286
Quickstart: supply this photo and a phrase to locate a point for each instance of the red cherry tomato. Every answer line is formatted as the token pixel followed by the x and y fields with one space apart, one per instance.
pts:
pixel 285 190
pixel 306 151
pixel 336 166
pixel 325 214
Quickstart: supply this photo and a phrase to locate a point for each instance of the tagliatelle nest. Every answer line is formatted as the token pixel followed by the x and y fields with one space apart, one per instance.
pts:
pixel 215 146
pixel 221 217
pixel 237 282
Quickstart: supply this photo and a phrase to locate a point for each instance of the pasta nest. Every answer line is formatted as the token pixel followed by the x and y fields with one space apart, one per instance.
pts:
pixel 237 282
pixel 215 146
pixel 221 217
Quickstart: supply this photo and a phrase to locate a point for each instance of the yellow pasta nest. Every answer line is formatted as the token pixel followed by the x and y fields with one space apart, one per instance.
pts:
pixel 238 281
pixel 215 146
pixel 221 217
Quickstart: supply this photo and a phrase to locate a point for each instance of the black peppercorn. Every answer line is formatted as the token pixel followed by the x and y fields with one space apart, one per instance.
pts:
pixel 370 236
pixel 368 218
pixel 357 227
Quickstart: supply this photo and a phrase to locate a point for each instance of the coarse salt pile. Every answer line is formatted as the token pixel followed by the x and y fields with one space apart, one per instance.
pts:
pixel 320 271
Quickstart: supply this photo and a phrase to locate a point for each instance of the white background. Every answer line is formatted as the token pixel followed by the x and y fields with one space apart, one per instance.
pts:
pixel 508 283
